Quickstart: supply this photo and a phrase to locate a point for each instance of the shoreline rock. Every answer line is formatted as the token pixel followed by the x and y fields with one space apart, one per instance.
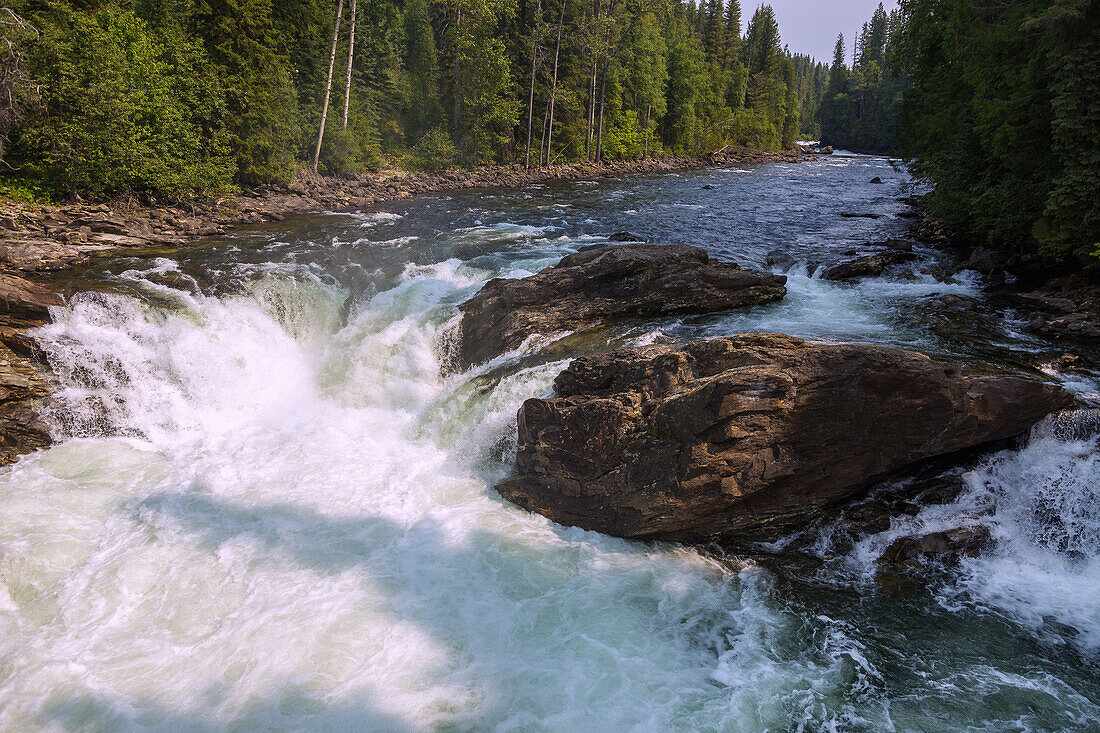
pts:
pixel 23 385
pixel 600 284
pixel 22 388
pixel 749 437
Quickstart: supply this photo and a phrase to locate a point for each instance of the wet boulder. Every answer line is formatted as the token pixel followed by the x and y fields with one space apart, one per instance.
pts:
pixel 22 389
pixel 602 284
pixel 867 266
pixel 748 437
pixel 901 245
pixel 948 547
pixel 24 303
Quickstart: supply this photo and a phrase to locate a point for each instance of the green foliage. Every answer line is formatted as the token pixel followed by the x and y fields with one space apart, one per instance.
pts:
pixel 425 110
pixel 180 96
pixel 1004 120
pixel 115 111
pixel 15 187
pixel 1070 224
pixel 434 151
pixel 261 119
pixel 861 107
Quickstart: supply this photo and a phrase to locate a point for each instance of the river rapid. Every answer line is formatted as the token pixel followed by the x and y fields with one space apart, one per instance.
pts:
pixel 268 511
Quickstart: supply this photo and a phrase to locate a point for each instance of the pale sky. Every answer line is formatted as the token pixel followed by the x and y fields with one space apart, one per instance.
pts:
pixel 811 26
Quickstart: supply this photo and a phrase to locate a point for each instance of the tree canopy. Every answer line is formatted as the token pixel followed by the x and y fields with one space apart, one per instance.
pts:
pixel 179 96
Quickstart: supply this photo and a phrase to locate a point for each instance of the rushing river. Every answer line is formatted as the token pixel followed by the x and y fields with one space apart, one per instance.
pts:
pixel 268 511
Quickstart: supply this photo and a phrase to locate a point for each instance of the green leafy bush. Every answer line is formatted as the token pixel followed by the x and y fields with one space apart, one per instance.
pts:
pixel 435 151
pixel 113 117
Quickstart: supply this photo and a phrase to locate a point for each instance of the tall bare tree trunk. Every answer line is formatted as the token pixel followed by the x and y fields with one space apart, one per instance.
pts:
pixel 608 55
pixel 645 149
pixel 603 94
pixel 554 83
pixel 351 57
pixel 531 98
pixel 542 140
pixel 328 84
pixel 591 120
pixel 458 72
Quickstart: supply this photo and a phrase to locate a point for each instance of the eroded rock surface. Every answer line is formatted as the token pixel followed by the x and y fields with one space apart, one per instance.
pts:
pixel 602 284
pixel 22 385
pixel 23 303
pixel 748 437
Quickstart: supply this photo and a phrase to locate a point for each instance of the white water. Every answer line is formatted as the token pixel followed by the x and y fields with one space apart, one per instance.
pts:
pixel 267 520
pixel 271 513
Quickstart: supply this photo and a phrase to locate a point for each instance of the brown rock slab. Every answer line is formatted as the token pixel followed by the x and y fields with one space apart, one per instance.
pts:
pixel 23 303
pixel 748 437
pixel 21 390
pixel 602 284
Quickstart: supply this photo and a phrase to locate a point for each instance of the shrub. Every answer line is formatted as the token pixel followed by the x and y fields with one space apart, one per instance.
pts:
pixel 112 117
pixel 435 151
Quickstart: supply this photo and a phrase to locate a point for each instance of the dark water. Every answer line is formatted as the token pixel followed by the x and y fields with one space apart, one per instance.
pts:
pixel 269 511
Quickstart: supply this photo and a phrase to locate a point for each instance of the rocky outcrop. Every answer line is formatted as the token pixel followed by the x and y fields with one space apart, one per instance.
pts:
pixel 22 387
pixel 23 303
pixel 601 284
pixel 867 266
pixel 748 437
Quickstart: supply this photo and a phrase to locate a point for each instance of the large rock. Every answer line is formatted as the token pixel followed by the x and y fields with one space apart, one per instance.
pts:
pixel 948 547
pixel 748 437
pixel 22 388
pixel 601 284
pixel 23 303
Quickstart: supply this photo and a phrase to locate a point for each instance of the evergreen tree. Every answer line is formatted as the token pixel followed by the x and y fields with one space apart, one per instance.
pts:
pixel 425 109
pixel 261 108
pixel 238 86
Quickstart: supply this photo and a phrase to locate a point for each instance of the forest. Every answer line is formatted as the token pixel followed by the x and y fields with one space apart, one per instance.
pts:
pixel 996 105
pixel 181 96
pixel 992 104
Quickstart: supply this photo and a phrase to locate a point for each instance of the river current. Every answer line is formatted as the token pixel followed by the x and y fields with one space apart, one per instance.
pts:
pixel 268 511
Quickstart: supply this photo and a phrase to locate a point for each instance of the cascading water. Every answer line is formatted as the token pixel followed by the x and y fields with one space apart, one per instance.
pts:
pixel 268 510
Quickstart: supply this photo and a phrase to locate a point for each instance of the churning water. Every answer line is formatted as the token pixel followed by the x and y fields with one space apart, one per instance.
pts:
pixel 268 511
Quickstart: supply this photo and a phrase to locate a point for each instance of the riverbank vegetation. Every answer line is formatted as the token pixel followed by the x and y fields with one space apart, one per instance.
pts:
pixel 171 97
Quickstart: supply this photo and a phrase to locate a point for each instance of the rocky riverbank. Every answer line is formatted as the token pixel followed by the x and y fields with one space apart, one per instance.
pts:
pixel 1061 301
pixel 36 238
